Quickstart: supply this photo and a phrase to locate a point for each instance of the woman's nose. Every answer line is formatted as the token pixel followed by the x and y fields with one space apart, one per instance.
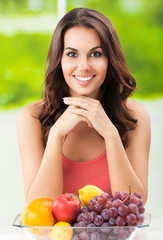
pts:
pixel 83 64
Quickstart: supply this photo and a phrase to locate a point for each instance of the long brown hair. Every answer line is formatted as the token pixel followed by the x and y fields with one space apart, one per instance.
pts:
pixel 118 85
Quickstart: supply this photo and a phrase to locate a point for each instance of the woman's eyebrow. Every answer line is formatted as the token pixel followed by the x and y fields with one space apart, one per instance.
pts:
pixel 95 48
pixel 73 49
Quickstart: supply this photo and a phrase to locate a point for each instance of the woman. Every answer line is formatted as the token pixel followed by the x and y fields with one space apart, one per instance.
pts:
pixel 85 130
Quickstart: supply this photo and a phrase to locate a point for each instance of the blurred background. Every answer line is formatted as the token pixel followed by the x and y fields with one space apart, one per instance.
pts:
pixel 26 28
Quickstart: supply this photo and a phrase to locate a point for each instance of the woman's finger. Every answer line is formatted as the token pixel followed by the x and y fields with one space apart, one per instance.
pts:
pixel 78 111
pixel 81 102
pixel 83 117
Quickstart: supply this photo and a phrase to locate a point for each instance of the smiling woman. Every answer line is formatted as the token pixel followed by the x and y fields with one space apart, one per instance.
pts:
pixel 85 130
pixel 84 67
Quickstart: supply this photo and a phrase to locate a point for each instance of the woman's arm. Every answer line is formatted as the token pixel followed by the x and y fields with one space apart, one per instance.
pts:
pixel 130 166
pixel 42 167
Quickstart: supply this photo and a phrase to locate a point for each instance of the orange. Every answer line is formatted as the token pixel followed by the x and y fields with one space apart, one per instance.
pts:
pixel 62 231
pixel 38 213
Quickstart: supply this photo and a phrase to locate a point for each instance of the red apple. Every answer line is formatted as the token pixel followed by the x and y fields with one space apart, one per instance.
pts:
pixel 66 207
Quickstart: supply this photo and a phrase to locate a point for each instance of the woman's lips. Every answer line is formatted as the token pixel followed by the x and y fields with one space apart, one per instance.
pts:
pixel 83 80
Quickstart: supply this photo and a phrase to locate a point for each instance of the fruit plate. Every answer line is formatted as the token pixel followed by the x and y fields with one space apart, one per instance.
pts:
pixel 81 233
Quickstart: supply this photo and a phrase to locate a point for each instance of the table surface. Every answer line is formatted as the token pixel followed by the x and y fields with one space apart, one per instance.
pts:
pixel 153 232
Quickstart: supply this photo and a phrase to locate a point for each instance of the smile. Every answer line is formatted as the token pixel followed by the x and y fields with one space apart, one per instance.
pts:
pixel 83 79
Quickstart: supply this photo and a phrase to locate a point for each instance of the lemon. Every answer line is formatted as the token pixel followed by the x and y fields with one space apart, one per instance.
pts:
pixel 62 231
pixel 88 192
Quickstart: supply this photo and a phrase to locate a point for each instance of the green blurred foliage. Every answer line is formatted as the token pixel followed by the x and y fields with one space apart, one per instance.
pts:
pixel 22 64
pixel 139 24
pixel 28 7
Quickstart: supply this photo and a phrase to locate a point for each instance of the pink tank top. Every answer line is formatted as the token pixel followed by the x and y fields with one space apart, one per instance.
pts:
pixel 78 174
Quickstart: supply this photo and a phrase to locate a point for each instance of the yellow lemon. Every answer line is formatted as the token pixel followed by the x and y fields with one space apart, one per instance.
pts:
pixel 88 192
pixel 62 231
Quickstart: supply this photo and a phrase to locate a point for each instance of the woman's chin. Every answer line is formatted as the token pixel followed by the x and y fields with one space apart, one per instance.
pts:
pixel 84 94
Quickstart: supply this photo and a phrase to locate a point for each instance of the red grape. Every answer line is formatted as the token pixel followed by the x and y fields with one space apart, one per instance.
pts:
pixel 131 218
pixel 84 210
pixel 91 227
pixel 105 214
pixel 108 204
pixel 78 225
pixel 98 208
pixel 117 203
pixel 124 195
pixel 135 200
pixel 113 212
pixel 141 210
pixel 140 203
pixel 112 222
pixel 121 221
pixel 91 204
pixel 80 217
pixel 105 227
pixel 95 198
pixel 98 221
pixel 133 208
pixel 81 224
pixel 103 198
pixel 117 195
pixel 87 218
pixel 139 219
pixel 94 214
pixel 123 210
pixel 137 194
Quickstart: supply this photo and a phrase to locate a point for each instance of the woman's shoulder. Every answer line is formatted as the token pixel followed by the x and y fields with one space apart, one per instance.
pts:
pixel 30 112
pixel 137 110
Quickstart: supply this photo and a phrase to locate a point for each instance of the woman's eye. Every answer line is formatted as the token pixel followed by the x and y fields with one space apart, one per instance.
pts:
pixel 72 54
pixel 96 54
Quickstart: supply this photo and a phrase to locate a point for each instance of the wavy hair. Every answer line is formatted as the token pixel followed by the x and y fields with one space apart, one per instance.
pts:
pixel 117 87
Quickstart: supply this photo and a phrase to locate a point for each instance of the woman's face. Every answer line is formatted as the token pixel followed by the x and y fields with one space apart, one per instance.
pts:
pixel 83 62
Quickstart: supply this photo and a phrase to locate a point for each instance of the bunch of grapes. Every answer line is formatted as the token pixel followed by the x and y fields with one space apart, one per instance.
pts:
pixel 122 209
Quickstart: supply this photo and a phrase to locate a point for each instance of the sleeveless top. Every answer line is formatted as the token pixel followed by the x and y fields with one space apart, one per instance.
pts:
pixel 78 174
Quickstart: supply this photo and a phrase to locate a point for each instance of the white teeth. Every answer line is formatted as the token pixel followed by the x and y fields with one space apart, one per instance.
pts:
pixel 83 78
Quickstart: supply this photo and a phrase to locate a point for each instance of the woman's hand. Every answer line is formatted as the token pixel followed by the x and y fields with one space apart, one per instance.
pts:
pixel 67 121
pixel 92 110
